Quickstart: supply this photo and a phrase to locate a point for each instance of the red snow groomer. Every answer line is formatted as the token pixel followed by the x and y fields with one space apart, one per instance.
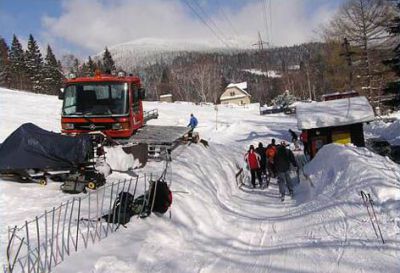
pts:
pixel 111 104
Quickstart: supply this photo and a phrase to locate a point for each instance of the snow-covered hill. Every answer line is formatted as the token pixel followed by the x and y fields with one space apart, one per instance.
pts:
pixel 217 227
pixel 147 51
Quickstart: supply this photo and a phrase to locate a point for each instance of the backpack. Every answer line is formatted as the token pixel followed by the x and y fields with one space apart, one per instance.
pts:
pixel 122 209
pixel 162 194
pixel 271 151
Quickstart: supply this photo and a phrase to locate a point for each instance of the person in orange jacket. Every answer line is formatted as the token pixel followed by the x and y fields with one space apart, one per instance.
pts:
pixel 270 152
pixel 253 162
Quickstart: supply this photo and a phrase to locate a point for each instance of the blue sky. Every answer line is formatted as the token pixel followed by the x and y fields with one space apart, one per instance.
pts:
pixel 84 27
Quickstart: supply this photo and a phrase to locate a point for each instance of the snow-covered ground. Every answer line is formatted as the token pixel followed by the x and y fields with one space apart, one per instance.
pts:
pixel 217 227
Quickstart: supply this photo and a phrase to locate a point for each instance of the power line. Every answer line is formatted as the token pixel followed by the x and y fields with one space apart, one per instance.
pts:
pixel 235 33
pixel 205 22
pixel 205 14
pixel 270 22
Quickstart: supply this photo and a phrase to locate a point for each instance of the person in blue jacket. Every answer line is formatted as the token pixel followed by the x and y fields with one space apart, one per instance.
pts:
pixel 193 122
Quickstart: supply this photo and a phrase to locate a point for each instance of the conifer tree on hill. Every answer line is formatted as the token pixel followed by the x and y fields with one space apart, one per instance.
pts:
pixel 18 70
pixel 34 65
pixel 108 62
pixel 4 64
pixel 53 77
pixel 91 66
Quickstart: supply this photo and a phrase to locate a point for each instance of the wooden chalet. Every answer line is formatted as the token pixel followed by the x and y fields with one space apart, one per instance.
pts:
pixel 334 121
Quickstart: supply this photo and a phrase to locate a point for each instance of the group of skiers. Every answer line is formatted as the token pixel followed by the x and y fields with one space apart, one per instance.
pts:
pixel 274 159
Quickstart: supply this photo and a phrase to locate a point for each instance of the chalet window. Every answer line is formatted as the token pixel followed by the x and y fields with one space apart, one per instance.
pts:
pixel 232 93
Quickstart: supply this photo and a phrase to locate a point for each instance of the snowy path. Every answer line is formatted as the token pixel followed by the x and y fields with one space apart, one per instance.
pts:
pixel 217 227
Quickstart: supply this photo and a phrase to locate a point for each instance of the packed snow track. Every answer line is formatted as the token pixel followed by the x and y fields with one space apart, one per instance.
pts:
pixel 217 226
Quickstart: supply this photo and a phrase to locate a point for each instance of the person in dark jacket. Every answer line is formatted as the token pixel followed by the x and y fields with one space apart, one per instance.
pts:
pixel 304 139
pixel 253 161
pixel 282 160
pixel 294 139
pixel 261 150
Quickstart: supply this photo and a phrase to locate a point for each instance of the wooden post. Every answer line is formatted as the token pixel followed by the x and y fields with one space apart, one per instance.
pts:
pixel 77 227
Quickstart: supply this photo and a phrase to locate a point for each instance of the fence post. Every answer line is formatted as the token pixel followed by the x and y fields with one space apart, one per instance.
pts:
pixel 28 245
pixel 40 265
pixel 102 211
pixel 88 227
pixel 45 241
pixel 154 196
pixel 77 227
pixel 57 232
pixel 119 209
pixel 69 226
pixel 109 210
pixel 52 238
pixel 63 231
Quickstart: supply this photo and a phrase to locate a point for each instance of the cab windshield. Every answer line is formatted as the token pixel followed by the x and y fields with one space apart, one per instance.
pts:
pixel 96 99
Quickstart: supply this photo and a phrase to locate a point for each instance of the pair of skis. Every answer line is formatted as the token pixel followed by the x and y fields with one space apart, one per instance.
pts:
pixel 369 204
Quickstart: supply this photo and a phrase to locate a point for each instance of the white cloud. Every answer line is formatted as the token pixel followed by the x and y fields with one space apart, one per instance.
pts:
pixel 94 24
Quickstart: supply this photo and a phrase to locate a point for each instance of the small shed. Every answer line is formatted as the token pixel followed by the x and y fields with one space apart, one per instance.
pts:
pixel 334 121
pixel 166 98
pixel 236 93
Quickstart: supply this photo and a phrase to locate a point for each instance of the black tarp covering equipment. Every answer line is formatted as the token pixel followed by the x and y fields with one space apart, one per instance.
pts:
pixel 31 147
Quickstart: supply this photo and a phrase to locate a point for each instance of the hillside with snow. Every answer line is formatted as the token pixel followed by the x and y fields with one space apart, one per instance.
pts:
pixel 215 226
pixel 147 51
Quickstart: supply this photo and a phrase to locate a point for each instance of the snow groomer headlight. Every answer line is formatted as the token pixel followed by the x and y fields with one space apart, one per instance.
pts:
pixel 68 126
pixel 117 126
pixel 120 126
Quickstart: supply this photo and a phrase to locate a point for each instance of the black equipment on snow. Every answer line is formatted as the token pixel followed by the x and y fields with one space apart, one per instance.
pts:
pixel 32 154
pixel 122 210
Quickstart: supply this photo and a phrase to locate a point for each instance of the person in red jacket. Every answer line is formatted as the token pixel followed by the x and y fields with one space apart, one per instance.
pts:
pixel 253 162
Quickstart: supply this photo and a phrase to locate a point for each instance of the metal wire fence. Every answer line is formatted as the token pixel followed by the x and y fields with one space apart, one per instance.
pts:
pixel 44 241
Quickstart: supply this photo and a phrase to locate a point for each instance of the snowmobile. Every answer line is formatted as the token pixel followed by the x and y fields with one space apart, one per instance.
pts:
pixel 31 154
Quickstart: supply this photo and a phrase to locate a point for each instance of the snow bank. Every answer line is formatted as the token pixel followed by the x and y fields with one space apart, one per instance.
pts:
pixel 119 160
pixel 341 172
pixel 388 131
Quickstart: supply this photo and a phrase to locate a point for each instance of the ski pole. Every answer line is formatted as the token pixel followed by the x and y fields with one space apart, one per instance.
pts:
pixel 376 218
pixel 365 200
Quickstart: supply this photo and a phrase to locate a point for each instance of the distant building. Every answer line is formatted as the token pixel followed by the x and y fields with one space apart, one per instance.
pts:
pixel 339 95
pixel 334 121
pixel 236 93
pixel 166 98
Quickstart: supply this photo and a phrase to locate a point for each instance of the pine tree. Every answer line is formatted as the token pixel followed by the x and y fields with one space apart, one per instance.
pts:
pixel 91 66
pixel 108 62
pixel 18 70
pixel 34 64
pixel 4 64
pixel 53 77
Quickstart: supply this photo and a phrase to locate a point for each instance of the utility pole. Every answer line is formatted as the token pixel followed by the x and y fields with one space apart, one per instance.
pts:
pixel 260 43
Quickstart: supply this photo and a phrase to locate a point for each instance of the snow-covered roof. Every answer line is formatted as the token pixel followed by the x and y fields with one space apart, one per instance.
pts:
pixel 269 73
pixel 166 96
pixel 240 85
pixel 334 113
